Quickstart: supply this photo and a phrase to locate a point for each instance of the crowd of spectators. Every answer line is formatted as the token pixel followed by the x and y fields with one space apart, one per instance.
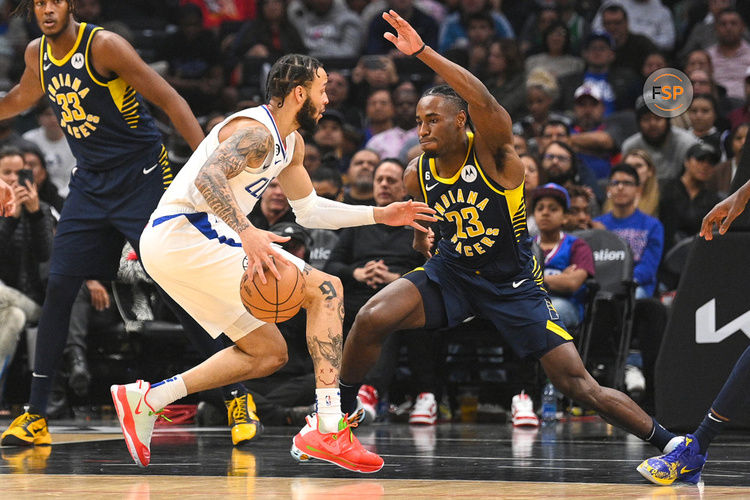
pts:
pixel 569 72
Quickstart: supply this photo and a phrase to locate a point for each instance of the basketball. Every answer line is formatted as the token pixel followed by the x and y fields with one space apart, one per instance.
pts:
pixel 276 301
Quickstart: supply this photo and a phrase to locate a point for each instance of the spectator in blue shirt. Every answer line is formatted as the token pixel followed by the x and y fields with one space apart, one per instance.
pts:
pixel 453 33
pixel 644 233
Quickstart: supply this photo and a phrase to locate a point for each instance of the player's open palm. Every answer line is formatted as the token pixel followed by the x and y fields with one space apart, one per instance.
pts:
pixel 405 213
pixel 407 41
pixel 257 246
pixel 722 215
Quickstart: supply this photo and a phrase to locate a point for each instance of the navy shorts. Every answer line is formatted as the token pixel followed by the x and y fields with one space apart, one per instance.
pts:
pixel 103 209
pixel 519 309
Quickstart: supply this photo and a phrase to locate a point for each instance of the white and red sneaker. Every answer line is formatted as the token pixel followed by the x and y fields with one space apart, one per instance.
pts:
pixel 424 411
pixel 368 400
pixel 340 448
pixel 136 417
pixel 522 411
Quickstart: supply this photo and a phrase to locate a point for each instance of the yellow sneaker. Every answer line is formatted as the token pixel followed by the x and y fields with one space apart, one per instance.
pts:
pixel 244 422
pixel 242 463
pixel 26 460
pixel 27 430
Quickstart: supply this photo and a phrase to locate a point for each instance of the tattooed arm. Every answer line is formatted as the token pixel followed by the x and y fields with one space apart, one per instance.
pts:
pixel 247 147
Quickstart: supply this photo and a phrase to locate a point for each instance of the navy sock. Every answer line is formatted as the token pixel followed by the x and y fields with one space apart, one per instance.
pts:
pixel 733 396
pixel 227 390
pixel 710 428
pixel 52 335
pixel 659 436
pixel 348 397
pixel 40 389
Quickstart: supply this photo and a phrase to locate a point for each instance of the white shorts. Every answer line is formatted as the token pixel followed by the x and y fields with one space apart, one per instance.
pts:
pixel 199 261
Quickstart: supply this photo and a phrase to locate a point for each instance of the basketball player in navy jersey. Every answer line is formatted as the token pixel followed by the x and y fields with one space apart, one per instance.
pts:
pixel 94 81
pixel 686 461
pixel 198 245
pixel 483 265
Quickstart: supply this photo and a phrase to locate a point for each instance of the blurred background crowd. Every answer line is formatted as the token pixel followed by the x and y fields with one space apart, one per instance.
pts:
pixel 569 72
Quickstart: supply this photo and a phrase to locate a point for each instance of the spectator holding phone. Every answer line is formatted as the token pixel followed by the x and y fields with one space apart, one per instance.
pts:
pixel 25 242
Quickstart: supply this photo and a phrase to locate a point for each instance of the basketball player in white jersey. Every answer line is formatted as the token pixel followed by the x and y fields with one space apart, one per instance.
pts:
pixel 199 242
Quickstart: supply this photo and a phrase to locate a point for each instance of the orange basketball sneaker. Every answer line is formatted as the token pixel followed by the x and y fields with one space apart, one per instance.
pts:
pixel 340 448
pixel 137 418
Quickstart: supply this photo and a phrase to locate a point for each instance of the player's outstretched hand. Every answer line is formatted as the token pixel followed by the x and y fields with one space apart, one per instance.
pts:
pixel 407 41
pixel 257 246
pixel 7 200
pixel 723 214
pixel 405 213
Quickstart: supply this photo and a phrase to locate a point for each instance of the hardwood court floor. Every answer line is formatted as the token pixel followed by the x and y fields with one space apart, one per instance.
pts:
pixel 569 460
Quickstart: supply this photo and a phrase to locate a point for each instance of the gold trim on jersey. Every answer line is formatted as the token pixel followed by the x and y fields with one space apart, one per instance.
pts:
pixel 60 62
pixel 484 177
pixel 166 169
pixel 558 330
pixel 41 61
pixel 86 57
pixel 125 98
pixel 537 274
pixel 421 176
pixel 516 202
pixel 455 177
pixel 414 270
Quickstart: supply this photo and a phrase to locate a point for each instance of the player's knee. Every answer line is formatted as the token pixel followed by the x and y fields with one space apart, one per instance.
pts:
pixel 278 358
pixel 371 319
pixel 319 284
pixel 276 354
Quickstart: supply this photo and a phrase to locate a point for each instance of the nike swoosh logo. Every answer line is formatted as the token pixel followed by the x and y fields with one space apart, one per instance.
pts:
pixel 714 419
pixel 47 66
pixel 147 171
pixel 516 284
pixel 138 408
pixel 430 188
pixel 685 470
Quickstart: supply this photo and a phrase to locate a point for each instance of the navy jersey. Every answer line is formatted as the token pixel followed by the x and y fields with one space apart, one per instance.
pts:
pixel 105 120
pixel 482 225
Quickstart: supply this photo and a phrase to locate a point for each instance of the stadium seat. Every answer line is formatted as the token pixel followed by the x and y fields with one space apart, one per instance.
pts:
pixel 604 338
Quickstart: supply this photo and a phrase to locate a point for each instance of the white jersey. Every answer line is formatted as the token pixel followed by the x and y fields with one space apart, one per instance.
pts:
pixel 183 197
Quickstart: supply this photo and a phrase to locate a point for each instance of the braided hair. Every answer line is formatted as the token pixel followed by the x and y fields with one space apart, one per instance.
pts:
pixel 288 72
pixel 447 92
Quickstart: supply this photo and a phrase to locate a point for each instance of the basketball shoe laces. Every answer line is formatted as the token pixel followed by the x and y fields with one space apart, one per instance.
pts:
pixel 671 457
pixel 159 414
pixel 239 410
pixel 29 418
pixel 348 423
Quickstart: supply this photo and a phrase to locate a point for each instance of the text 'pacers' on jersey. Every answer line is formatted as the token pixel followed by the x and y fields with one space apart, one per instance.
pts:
pixel 105 120
pixel 482 225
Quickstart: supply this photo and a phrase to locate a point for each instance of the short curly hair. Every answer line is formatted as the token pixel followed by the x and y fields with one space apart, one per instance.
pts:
pixel 26 7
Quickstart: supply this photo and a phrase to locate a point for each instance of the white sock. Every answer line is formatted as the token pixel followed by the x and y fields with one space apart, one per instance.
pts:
pixel 166 392
pixel 328 403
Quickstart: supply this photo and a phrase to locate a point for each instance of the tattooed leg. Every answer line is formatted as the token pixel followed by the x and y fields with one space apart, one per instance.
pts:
pixel 324 302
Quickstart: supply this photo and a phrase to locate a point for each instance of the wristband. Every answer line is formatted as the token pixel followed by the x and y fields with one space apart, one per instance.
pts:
pixel 421 49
